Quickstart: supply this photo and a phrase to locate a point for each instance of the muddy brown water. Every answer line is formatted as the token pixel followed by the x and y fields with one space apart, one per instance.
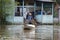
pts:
pixel 17 32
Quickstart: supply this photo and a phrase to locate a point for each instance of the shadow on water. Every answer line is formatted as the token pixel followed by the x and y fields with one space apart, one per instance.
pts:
pixel 2 30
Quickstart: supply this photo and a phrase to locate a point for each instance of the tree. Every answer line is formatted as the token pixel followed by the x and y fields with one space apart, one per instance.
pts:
pixel 58 1
pixel 7 9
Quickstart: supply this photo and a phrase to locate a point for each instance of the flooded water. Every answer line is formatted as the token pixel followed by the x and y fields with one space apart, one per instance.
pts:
pixel 44 32
pixel 17 32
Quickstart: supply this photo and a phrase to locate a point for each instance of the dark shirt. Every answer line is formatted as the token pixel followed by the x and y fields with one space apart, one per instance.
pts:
pixel 29 17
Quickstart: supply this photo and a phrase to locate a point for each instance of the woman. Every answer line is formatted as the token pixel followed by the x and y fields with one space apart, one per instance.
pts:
pixel 29 18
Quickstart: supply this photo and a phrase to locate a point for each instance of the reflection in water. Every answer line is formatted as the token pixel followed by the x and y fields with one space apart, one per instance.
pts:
pixel 17 32
pixel 2 30
pixel 30 34
pixel 12 32
pixel 44 32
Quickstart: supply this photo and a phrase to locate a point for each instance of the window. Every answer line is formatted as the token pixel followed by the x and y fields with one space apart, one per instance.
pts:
pixel 18 9
pixel 19 2
pixel 47 7
pixel 38 7
pixel 17 13
pixel 29 2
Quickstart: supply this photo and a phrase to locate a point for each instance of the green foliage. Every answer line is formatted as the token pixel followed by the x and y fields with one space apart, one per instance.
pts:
pixel 58 1
pixel 55 13
pixel 7 9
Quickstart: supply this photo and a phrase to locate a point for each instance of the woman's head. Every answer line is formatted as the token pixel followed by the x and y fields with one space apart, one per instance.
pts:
pixel 30 13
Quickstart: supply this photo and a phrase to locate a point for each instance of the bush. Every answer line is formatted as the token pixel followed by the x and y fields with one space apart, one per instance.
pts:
pixel 7 9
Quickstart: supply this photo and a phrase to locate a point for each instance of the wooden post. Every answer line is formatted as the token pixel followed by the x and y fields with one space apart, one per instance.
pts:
pixel 59 14
pixel 59 23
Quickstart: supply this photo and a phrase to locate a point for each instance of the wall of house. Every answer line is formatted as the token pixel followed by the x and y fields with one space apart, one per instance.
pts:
pixel 44 18
pixel 13 19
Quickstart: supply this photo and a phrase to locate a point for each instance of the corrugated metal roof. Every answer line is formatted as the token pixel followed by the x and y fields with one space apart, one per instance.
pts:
pixel 47 0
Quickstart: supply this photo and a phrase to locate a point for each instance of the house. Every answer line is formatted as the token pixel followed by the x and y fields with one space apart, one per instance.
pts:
pixel 22 7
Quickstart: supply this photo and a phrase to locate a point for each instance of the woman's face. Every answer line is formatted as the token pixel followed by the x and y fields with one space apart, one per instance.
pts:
pixel 30 14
